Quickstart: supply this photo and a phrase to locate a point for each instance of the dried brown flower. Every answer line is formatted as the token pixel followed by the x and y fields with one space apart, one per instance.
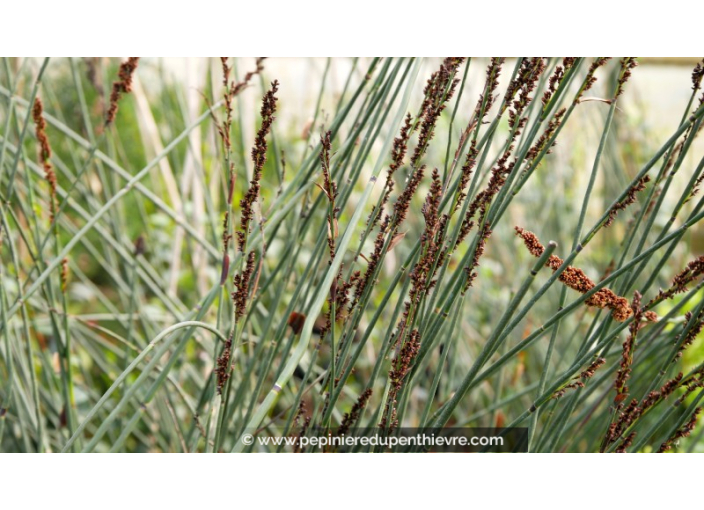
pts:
pixel 697 75
pixel 589 372
pixel 487 97
pixel 683 431
pixel 478 252
pixel 679 283
pixel 45 153
pixel 403 202
pixel 577 279
pixel 296 321
pixel 259 158
pixel 222 366
pixel 626 443
pixel 628 200
pixel 301 412
pixel 352 417
pixel 582 378
pixel 421 281
pixel 651 316
pixel 590 79
pixel 330 190
pixel 241 283
pixel 627 65
pixel 122 86
pixel 624 372
pixel 556 79
pixel 402 365
pixel 438 91
pixel 398 152
pixel 544 142
pixel 693 332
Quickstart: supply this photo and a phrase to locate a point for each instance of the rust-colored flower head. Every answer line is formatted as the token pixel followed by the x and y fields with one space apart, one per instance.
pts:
pixel 45 152
pixel 296 321
pixel 121 86
pixel 576 279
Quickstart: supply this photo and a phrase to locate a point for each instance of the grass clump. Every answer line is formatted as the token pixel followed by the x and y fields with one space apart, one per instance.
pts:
pixel 177 272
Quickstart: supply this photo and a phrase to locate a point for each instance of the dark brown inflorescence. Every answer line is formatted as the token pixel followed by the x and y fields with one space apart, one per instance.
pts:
pixel 122 86
pixel 556 79
pixel 372 260
pixel 258 158
pixel 478 252
pixel 45 152
pixel 693 333
pixel 518 92
pixel 330 189
pixel 585 375
pixel 487 97
pixel 545 142
pixel 684 431
pixel 483 199
pixel 339 287
pixel 404 201
pixel 520 88
pixel 421 272
pixel 389 226
pixel 224 129
pixel 591 369
pixel 398 153
pixel 466 173
pixel 627 65
pixel 222 366
pixel 626 417
pixel 679 283
pixel 626 443
pixel 241 282
pixel 518 98
pixel 300 413
pixel 660 394
pixel 630 414
pixel 624 371
pixel 628 200
pixel 697 75
pixel 480 112
pixel 235 88
pixel 402 365
pixel 577 279
pixel 438 91
pixel 421 281
pixel 405 358
pixel 352 417
pixel 590 79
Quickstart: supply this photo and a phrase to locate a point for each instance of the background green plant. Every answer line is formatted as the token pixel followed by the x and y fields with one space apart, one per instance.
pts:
pixel 121 357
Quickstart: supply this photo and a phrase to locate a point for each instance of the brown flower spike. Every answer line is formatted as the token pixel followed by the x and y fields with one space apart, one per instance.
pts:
pixel 577 279
pixel 45 152
pixel 122 86
pixel 259 158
